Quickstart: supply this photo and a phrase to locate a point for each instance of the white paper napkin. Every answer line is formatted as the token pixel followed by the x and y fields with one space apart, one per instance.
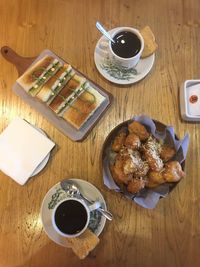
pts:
pixel 22 149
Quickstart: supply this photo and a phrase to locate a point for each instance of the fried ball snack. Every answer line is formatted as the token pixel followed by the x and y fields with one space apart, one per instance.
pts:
pixel 138 129
pixel 132 141
pixel 115 176
pixel 118 172
pixel 153 159
pixel 118 141
pixel 152 143
pixel 167 153
pixel 129 165
pixel 135 185
pixel 125 151
pixel 142 166
pixel 173 171
pixel 142 170
pixel 134 164
pixel 156 177
pixel 151 153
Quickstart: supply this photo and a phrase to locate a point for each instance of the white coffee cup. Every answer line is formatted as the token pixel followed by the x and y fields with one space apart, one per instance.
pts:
pixel 129 62
pixel 71 216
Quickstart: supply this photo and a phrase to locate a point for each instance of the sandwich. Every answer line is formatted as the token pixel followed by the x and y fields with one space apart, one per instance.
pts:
pixel 37 75
pixel 78 109
pixel 71 90
pixel 52 87
pixel 68 94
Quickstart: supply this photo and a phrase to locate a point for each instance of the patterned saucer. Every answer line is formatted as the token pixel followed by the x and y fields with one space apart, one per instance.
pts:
pixel 56 194
pixel 115 73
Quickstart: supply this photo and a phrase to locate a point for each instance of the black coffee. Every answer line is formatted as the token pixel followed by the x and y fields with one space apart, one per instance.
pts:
pixel 126 45
pixel 70 217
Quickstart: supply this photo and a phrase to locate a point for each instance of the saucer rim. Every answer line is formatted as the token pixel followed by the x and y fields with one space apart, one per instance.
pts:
pixel 120 81
pixel 103 219
pixel 44 162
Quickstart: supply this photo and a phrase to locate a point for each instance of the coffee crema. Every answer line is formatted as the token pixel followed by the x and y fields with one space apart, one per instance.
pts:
pixel 71 217
pixel 127 44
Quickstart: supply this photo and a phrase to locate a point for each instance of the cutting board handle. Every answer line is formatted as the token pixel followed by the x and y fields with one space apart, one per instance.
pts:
pixel 21 63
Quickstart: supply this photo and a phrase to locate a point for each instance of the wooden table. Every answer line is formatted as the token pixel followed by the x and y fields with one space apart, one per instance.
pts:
pixel 169 235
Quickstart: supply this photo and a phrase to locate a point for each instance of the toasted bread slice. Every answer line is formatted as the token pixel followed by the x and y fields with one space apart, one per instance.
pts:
pixel 78 111
pixel 73 86
pixel 150 44
pixel 35 71
pixel 37 75
pixel 83 244
pixel 55 83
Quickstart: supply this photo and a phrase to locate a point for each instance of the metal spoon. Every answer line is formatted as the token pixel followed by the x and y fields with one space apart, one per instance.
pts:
pixel 103 30
pixel 72 190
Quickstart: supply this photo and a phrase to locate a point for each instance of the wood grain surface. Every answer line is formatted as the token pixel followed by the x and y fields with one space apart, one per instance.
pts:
pixel 169 235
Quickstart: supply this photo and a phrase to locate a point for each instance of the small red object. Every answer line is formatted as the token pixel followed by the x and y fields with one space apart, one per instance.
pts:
pixel 193 99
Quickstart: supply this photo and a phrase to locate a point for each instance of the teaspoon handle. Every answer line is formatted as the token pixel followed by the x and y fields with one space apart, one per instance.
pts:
pixel 102 30
pixel 106 214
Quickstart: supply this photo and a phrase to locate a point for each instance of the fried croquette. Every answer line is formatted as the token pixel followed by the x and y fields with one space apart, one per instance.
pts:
pixel 118 171
pixel 153 144
pixel 129 165
pixel 132 141
pixel 115 176
pixel 142 167
pixel 151 151
pixel 167 153
pixel 173 171
pixel 153 159
pixel 135 185
pixel 156 177
pixel 125 151
pixel 138 129
pixel 118 141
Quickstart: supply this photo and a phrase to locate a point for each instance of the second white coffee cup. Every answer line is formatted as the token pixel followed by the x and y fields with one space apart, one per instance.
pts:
pixel 71 216
pixel 128 47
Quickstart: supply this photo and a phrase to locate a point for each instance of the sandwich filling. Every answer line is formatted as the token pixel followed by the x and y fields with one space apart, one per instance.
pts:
pixel 67 94
pixel 79 109
pixel 55 83
pixel 46 75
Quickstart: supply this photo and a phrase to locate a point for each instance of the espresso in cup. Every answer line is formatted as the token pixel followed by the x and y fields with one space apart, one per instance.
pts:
pixel 128 47
pixel 71 216
pixel 127 44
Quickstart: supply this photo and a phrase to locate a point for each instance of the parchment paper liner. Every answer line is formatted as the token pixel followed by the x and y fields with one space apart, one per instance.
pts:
pixel 147 198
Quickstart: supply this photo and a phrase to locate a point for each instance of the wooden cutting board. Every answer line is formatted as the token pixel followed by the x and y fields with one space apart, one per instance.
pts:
pixel 22 63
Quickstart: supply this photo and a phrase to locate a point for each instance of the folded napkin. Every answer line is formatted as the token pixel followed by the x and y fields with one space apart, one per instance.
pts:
pixel 22 149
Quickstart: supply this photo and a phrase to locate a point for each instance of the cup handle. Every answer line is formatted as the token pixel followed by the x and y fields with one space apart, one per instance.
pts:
pixel 94 206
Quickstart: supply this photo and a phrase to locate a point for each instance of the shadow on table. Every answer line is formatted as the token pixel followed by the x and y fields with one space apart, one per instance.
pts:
pixel 52 255
pixel 109 252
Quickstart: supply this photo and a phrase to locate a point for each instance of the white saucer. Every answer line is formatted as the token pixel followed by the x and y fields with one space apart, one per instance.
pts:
pixel 56 194
pixel 134 75
pixel 41 166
